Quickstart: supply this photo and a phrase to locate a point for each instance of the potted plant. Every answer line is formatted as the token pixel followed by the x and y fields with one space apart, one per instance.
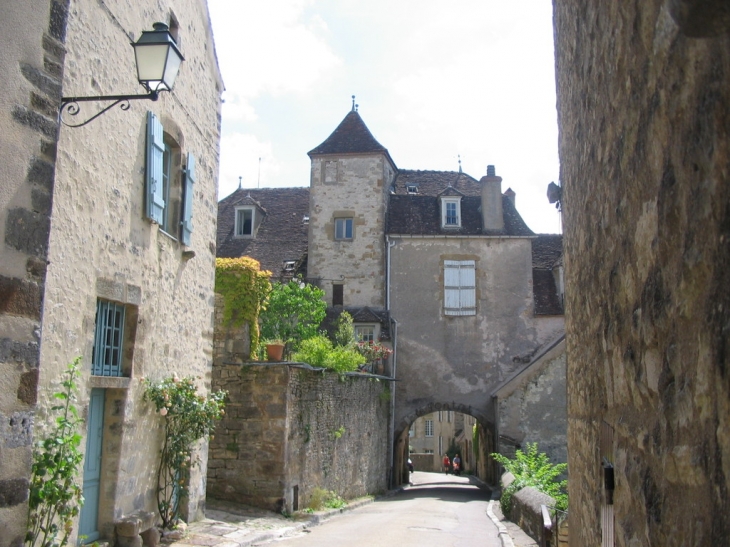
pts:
pixel 274 349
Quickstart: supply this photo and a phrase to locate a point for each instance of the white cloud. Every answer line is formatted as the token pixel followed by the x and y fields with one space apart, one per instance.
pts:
pixel 434 80
pixel 240 155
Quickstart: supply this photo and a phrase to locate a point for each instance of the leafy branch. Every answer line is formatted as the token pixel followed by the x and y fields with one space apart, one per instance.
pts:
pixel 55 498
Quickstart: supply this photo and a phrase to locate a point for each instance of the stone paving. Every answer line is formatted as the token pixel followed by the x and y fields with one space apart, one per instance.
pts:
pixel 231 525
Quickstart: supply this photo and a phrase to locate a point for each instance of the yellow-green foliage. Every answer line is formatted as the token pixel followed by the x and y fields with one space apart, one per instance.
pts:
pixel 244 287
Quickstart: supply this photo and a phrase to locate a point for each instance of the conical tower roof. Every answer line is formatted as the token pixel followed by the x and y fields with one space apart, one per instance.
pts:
pixel 351 137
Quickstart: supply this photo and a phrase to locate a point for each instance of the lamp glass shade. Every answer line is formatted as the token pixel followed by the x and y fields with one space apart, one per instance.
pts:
pixel 158 59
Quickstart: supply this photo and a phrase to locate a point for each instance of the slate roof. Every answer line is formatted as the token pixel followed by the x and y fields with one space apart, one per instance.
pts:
pixel 431 183
pixel 421 215
pixel 282 234
pixel 362 314
pixel 547 253
pixel 351 137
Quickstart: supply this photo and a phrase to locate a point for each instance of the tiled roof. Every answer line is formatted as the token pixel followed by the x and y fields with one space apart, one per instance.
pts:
pixel 282 234
pixel 431 183
pixel 351 137
pixel 547 252
pixel 421 215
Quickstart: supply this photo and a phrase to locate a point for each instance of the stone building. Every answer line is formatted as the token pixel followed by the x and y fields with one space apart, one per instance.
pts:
pixel 436 264
pixel 95 262
pixel 431 436
pixel 644 116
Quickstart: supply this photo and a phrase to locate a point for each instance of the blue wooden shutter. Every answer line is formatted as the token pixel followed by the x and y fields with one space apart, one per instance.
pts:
pixel 187 216
pixel 153 174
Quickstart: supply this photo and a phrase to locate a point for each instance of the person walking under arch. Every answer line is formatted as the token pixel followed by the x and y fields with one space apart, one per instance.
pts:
pixel 447 464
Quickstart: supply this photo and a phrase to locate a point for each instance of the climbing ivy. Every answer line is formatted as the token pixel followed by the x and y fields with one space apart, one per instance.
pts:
pixel 244 287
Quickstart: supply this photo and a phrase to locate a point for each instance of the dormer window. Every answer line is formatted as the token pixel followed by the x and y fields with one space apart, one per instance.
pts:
pixel 244 221
pixel 450 212
pixel 412 188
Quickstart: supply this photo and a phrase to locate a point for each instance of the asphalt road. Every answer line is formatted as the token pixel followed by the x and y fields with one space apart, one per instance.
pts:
pixel 437 511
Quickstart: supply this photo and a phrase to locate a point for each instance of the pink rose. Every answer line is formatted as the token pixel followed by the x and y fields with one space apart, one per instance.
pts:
pixel 163 411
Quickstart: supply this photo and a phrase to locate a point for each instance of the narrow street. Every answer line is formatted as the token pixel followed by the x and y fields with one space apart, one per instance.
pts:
pixel 437 511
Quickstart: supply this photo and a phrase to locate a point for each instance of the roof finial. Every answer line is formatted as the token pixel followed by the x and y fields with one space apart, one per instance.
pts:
pixel 459 163
pixel 353 103
pixel 239 182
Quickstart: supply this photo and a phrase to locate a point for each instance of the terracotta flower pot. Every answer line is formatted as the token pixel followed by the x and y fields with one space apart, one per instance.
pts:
pixel 275 352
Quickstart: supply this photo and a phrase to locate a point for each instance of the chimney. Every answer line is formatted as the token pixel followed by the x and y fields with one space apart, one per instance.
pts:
pixel 492 217
pixel 511 195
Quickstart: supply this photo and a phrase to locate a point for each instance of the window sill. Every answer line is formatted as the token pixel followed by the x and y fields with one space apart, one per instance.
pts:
pixel 109 382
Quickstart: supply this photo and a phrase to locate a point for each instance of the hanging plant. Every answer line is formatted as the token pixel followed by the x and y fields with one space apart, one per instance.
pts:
pixel 188 417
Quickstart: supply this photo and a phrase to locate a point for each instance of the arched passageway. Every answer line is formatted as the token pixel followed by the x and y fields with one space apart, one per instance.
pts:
pixel 425 435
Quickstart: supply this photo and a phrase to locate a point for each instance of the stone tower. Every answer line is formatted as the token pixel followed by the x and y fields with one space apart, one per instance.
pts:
pixel 351 177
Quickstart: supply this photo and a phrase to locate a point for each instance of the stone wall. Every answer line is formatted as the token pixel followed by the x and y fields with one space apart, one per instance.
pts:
pixel 359 191
pixel 644 114
pixel 289 429
pixel 471 355
pixel 102 245
pixel 31 62
pixel 531 407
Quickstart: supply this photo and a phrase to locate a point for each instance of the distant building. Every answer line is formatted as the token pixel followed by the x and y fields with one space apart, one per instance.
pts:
pixel 432 435
pixel 436 264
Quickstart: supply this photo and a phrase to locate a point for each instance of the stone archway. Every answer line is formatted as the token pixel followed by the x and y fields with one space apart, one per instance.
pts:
pixel 486 430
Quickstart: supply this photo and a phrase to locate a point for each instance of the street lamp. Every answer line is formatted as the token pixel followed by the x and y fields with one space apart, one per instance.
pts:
pixel 158 61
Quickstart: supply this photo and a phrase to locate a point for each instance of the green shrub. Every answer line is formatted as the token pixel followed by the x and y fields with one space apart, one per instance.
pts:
pixel 188 416
pixel 533 468
pixel 292 312
pixel 319 352
pixel 344 334
pixel 324 499
pixel 55 497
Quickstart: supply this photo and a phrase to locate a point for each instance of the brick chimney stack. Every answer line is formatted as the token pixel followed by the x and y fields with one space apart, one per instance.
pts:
pixel 492 217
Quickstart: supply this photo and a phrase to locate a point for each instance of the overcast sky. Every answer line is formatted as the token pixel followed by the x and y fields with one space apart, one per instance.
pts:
pixel 434 80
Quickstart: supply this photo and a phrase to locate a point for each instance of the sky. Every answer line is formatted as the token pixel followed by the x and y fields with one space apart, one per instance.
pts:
pixel 434 81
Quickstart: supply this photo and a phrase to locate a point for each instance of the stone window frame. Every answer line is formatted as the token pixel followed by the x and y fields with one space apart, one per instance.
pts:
pixel 129 296
pixel 459 287
pixel 237 219
pixel 446 202
pixel 372 336
pixel 428 428
pixel 341 234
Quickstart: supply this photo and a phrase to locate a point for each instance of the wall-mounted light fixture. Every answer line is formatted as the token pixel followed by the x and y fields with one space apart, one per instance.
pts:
pixel 158 61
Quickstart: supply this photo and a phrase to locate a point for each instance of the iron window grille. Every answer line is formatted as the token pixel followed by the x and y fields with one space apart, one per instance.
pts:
pixel 108 339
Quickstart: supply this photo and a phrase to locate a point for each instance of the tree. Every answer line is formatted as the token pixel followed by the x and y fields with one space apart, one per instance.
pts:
pixel 293 312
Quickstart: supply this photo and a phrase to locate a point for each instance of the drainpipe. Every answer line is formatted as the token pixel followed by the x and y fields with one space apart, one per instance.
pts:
pixel 389 245
pixel 391 437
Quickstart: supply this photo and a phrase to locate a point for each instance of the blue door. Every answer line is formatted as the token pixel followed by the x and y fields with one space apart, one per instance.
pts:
pixel 89 522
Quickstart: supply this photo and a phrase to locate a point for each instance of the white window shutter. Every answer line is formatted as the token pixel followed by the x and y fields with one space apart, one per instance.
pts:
pixel 459 287
pixel 187 216
pixel 467 284
pixel 153 172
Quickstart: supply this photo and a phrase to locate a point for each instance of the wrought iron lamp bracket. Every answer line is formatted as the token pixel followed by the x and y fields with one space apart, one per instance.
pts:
pixel 70 105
